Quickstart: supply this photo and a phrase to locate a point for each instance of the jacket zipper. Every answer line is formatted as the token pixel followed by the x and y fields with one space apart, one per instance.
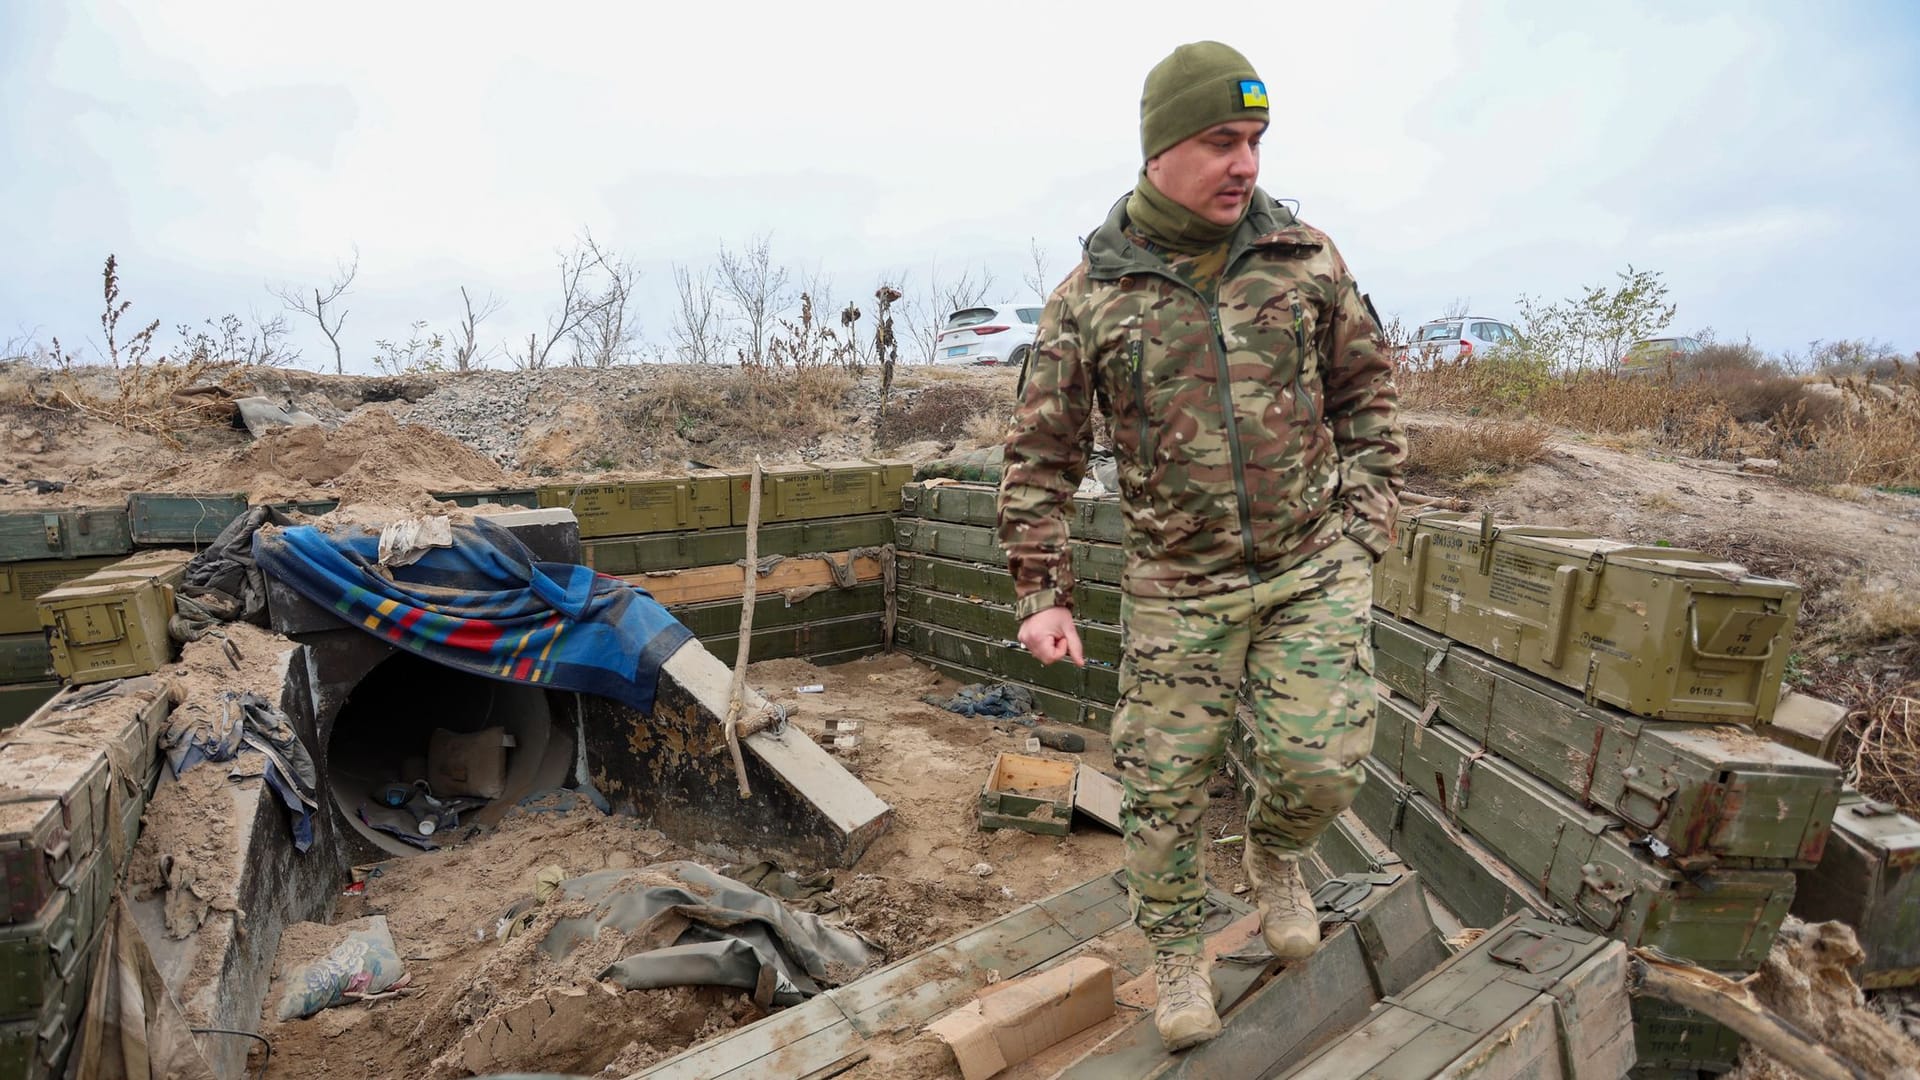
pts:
pixel 1234 448
pixel 1235 451
pixel 1137 351
pixel 1300 361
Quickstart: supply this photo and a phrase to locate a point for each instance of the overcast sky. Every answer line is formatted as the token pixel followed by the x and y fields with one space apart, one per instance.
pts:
pixel 1764 158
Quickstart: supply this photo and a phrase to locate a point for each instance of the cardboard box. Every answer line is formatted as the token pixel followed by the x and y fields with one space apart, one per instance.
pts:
pixel 1009 1022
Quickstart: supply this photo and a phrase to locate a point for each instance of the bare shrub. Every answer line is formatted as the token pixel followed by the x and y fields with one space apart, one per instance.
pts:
pixel 945 412
pixel 758 289
pixel 1868 440
pixel 1886 764
pixel 324 307
pixel 1445 454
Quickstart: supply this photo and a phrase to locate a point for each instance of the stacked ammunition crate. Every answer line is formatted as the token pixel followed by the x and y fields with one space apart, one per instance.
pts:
pixel 39 550
pixel 956 599
pixel 1572 728
pixel 826 527
pixel 78 773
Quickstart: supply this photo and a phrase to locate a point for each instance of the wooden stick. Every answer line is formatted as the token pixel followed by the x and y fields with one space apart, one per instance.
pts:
pixel 737 696
pixel 1733 1004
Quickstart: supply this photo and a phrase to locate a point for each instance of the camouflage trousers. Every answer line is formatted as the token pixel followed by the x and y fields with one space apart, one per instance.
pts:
pixel 1299 643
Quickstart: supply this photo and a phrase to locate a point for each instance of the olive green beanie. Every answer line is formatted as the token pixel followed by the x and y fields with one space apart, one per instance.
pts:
pixel 1197 86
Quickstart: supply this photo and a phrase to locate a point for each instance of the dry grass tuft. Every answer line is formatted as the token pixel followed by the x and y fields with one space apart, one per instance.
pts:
pixel 1475 454
pixel 986 429
pixel 945 412
pixel 726 407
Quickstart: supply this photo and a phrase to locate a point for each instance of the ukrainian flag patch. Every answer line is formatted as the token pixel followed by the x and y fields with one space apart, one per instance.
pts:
pixel 1253 94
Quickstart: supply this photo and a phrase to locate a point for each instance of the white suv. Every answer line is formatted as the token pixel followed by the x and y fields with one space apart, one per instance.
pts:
pixel 1002 334
pixel 1459 338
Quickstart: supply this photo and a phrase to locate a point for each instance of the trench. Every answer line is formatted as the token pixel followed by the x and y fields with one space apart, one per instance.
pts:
pixel 497 743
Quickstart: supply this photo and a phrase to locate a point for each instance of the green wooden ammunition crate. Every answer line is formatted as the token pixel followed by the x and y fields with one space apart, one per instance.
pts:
pixel 1031 794
pixel 1054 705
pixel 1667 1036
pixel 309 507
pixel 1659 632
pixel 76 532
pixel 722 617
pixel 165 518
pixel 1708 793
pixel 1102 563
pixel 1720 918
pixel 55 821
pixel 1098 604
pixel 718 547
pixel 1529 1001
pixel 524 497
pixel 977 504
pixel 21 700
pixel 995 622
pixel 805 640
pixel 632 508
pixel 1094 683
pixel 1808 724
pixel 828 489
pixel 1466 876
pixel 112 624
pixel 25 658
pixel 37 1047
pixel 23 583
pixel 1870 879
pixel 40 956
pixel 58 767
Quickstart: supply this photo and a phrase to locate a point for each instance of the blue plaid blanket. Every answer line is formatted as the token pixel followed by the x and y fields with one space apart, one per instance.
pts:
pixel 485 606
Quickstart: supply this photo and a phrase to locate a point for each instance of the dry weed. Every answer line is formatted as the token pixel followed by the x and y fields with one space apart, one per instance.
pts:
pixel 1886 764
pixel 1869 439
pixel 945 412
pixel 162 398
pixel 1475 454
pixel 986 429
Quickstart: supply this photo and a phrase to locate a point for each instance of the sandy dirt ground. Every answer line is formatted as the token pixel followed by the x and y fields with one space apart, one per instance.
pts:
pixel 485 1004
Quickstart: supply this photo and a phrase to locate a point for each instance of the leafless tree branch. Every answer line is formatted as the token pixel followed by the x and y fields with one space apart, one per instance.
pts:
pixel 466 343
pixel 324 299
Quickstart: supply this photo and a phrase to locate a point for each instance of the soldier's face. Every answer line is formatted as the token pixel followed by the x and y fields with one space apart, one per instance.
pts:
pixel 1212 173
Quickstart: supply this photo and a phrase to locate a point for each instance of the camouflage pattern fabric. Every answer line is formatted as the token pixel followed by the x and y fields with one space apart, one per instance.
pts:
pixel 975 466
pixel 1299 641
pixel 1244 419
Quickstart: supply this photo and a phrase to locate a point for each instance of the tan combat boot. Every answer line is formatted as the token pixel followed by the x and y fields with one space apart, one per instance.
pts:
pixel 1287 919
pixel 1184 1012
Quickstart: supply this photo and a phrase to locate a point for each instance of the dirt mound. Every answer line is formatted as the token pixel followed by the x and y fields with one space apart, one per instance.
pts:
pixel 372 457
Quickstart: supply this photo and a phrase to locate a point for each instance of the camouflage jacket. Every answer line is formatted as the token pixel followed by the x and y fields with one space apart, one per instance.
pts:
pixel 1252 428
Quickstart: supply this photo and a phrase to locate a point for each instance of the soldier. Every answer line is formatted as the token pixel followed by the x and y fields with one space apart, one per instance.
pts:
pixel 1257 432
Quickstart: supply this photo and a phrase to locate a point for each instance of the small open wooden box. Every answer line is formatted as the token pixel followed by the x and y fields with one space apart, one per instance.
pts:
pixel 1013 796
